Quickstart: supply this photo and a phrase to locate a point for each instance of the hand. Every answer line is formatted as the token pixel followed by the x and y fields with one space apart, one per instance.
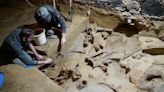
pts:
pixel 63 39
pixel 47 61
pixel 39 57
pixel 61 42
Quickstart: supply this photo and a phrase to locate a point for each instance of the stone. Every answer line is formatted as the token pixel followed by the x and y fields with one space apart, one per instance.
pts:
pixel 133 7
pixel 152 7
pixel 120 9
pixel 152 78
pixel 161 38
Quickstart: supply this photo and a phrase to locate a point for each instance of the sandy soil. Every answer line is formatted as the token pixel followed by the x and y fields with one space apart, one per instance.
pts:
pixel 99 59
pixel 13 16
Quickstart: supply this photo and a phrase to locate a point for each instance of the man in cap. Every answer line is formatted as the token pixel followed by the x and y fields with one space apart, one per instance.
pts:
pixel 50 19
pixel 15 45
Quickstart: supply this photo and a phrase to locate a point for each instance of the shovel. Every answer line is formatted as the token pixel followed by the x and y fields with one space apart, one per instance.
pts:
pixel 70 12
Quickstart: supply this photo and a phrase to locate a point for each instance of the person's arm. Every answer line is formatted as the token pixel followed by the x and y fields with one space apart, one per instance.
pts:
pixel 38 56
pixel 62 40
pixel 56 16
pixel 46 61
pixel 27 59
pixel 61 24
pixel 23 56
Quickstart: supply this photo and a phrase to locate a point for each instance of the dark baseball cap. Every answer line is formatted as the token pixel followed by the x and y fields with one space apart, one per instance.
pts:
pixel 42 12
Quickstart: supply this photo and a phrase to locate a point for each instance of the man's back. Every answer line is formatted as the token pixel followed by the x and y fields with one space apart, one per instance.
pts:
pixel 48 17
pixel 11 42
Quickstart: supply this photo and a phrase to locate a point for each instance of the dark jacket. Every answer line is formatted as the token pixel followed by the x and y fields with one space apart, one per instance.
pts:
pixel 13 47
pixel 56 19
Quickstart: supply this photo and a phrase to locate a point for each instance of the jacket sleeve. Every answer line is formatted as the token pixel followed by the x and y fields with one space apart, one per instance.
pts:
pixel 23 56
pixel 56 16
pixel 60 20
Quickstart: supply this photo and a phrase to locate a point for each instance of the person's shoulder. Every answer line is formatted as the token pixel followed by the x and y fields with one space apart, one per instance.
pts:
pixel 48 6
pixel 22 27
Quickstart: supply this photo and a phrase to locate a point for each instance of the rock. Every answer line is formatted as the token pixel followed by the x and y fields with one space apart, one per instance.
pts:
pixel 103 68
pixel 158 60
pixel 85 43
pixel 120 9
pixel 105 35
pixel 96 47
pixel 152 7
pixel 125 14
pixel 118 80
pixel 159 88
pixel 150 42
pixel 99 41
pixel 76 75
pixel 59 80
pixel 150 33
pixel 19 79
pixel 152 78
pixel 108 3
pixel 133 7
pixel 161 33
pixel 161 38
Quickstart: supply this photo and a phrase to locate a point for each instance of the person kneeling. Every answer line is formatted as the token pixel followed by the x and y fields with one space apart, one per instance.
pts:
pixel 15 45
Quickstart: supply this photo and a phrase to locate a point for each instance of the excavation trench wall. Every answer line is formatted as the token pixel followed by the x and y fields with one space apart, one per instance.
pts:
pixel 115 57
pixel 103 16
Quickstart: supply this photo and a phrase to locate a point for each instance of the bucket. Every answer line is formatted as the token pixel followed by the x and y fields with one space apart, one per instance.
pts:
pixel 39 36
